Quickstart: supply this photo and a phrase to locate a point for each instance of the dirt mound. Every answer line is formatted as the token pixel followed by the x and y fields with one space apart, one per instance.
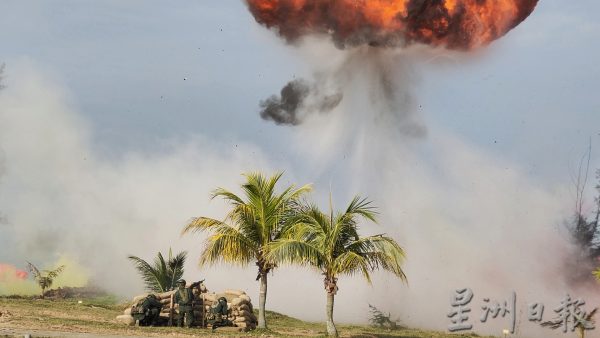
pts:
pixel 75 292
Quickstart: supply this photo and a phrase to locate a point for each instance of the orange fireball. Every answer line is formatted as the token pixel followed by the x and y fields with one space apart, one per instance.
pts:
pixel 454 24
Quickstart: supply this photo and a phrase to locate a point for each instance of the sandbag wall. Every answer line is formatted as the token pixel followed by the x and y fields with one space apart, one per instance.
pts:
pixel 164 298
pixel 240 310
pixel 239 306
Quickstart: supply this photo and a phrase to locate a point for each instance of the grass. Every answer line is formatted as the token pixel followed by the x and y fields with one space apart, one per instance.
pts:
pixel 97 315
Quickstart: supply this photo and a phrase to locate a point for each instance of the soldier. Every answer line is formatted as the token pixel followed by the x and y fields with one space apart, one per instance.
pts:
pixel 219 312
pixel 184 298
pixel 147 313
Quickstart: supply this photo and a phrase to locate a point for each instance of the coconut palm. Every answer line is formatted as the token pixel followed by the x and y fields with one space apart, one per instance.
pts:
pixel 161 276
pixel 331 244
pixel 44 278
pixel 253 222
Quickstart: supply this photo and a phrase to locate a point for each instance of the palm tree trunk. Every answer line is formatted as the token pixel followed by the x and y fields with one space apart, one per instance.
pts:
pixel 262 301
pixel 331 330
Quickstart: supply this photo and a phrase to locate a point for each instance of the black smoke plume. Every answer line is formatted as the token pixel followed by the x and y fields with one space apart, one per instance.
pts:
pixel 297 100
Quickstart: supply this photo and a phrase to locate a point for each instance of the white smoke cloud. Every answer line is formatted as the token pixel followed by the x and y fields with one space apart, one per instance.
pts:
pixel 60 195
pixel 465 217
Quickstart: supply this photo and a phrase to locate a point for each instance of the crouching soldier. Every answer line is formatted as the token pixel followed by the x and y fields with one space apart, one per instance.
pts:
pixel 147 312
pixel 218 317
pixel 184 297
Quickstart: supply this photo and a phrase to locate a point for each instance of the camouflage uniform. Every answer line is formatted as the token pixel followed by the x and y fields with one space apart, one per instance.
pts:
pixel 184 298
pixel 148 312
pixel 219 314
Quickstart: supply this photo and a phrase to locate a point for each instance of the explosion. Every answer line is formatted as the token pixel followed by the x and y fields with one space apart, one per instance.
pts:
pixel 363 26
pixel 454 24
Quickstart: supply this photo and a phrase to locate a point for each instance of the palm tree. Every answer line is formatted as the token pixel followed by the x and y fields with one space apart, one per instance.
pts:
pixel 253 222
pixel 332 245
pixel 163 275
pixel 44 278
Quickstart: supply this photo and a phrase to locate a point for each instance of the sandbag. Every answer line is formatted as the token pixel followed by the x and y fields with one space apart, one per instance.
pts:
pixel 212 297
pixel 245 313
pixel 230 297
pixel 127 311
pixel 244 307
pixel 165 301
pixel 236 293
pixel 246 298
pixel 239 301
pixel 126 319
pixel 140 297
pixel 208 302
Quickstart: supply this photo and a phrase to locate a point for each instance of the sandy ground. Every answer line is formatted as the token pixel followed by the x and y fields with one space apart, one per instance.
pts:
pixel 46 334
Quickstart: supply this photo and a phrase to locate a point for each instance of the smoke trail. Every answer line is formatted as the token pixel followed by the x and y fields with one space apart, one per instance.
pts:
pixel 388 78
pixel 299 99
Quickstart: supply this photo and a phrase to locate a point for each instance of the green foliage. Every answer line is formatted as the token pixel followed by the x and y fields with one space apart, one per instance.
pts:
pixel 331 243
pixel 162 275
pixel 254 221
pixel 44 278
pixel 381 320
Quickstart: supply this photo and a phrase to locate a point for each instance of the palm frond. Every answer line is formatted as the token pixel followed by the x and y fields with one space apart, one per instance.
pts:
pixel 256 218
pixel 226 195
pixel 337 243
pixel 150 274
pixel 175 266
pixel 229 245
pixel 199 224
pixel 295 251
pixel 350 263
pixel 363 207
pixel 382 252
pixel 51 274
pixel 34 270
